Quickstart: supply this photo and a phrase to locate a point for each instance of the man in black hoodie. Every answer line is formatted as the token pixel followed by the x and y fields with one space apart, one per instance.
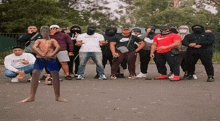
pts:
pixel 74 32
pixel 200 46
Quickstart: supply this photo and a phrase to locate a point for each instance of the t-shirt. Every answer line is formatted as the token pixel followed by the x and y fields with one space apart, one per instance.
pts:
pixel 91 42
pixel 123 41
pixel 12 61
pixel 166 40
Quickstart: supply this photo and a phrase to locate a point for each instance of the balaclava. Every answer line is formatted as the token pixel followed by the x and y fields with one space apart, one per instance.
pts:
pixel 198 30
pixel 112 33
pixel 173 29
pixel 91 32
pixel 163 30
pixel 152 29
pixel 75 31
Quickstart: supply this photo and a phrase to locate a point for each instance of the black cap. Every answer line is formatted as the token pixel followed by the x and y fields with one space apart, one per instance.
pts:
pixel 125 28
pixel 165 27
pixel 152 27
pixel 136 29
pixel 17 47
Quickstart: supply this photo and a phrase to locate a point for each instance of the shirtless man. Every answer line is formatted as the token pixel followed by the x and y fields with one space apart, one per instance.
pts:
pixel 46 50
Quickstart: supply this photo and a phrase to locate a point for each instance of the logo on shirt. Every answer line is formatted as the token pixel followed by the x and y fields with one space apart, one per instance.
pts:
pixel 160 38
pixel 91 37
pixel 124 39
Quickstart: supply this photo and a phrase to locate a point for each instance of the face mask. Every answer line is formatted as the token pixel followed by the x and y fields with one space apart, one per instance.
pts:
pixel 75 31
pixel 183 31
pixel 111 33
pixel 90 32
pixel 165 32
pixel 151 32
pixel 197 30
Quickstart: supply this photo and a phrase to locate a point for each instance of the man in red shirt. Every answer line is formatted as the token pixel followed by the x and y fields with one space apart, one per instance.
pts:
pixel 165 45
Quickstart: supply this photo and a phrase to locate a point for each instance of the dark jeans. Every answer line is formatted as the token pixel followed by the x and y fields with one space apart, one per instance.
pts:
pixel 162 58
pixel 130 57
pixel 144 60
pixel 206 59
pixel 182 60
pixel 70 63
pixel 107 57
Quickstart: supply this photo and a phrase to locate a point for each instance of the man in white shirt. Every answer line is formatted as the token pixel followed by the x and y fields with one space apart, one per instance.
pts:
pixel 18 64
pixel 90 43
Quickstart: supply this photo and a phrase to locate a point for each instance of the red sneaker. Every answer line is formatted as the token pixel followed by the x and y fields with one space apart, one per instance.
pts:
pixel 161 77
pixel 175 78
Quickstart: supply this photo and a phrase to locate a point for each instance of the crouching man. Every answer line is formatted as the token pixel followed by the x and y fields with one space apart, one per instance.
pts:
pixel 18 64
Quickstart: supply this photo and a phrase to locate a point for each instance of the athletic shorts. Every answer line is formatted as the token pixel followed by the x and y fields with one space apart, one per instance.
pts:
pixel 40 63
pixel 63 56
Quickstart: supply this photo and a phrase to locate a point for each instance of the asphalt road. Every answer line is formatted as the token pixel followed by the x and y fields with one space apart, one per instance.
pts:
pixel 114 100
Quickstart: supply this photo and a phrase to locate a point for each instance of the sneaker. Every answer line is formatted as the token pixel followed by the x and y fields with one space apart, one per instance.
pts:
pixel 60 79
pixel 194 76
pixel 75 75
pixel 120 76
pixel 141 75
pixel 161 77
pixel 175 78
pixel 29 80
pixel 131 76
pixel 103 77
pixel 49 81
pixel 113 77
pixel 68 77
pixel 79 77
pixel 171 76
pixel 210 79
pixel 14 80
pixel 96 76
pixel 170 73
pixel 189 77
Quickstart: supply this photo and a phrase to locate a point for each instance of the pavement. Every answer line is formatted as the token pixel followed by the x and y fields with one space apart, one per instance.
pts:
pixel 114 100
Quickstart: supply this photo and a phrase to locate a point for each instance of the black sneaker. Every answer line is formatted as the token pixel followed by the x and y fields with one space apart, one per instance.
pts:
pixel 210 79
pixel 120 76
pixel 43 78
pixel 189 77
pixel 68 77
pixel 96 76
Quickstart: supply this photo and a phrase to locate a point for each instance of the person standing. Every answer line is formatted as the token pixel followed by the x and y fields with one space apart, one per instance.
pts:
pixel 90 43
pixel 123 46
pixel 74 32
pixel 200 46
pixel 145 51
pixel 46 50
pixel 166 44
pixel 63 55
pixel 18 64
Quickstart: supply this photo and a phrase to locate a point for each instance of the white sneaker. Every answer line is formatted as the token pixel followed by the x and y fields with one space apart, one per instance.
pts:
pixel 171 76
pixel 29 80
pixel 14 80
pixel 141 75
pixel 194 76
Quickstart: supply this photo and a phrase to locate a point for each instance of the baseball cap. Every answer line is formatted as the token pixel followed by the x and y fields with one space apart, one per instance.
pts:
pixel 125 28
pixel 56 26
pixel 17 46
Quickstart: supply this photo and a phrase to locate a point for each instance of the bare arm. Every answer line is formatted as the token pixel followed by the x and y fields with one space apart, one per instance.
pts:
pixel 141 45
pixel 112 48
pixel 175 44
pixel 101 43
pixel 153 49
pixel 36 49
pixel 79 43
pixel 56 50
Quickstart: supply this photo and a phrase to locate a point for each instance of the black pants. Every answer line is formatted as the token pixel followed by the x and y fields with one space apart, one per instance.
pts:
pixel 70 63
pixel 205 57
pixel 182 60
pixel 106 58
pixel 144 59
pixel 162 58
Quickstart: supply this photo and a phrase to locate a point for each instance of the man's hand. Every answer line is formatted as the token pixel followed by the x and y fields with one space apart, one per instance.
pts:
pixel 103 42
pixel 197 46
pixel 25 61
pixel 30 31
pixel 70 54
pixel 162 48
pixel 192 44
pixel 79 43
pixel 115 55
pixel 152 55
pixel 76 34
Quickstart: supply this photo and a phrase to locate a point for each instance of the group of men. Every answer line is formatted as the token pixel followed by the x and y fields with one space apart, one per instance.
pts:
pixel 51 49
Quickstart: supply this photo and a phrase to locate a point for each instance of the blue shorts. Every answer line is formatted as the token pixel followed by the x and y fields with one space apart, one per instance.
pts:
pixel 40 63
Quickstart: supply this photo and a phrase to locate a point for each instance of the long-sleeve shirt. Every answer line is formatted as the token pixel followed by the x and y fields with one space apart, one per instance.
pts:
pixel 63 40
pixel 12 61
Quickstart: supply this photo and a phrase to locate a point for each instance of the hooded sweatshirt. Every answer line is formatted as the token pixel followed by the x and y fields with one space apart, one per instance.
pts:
pixel 108 36
pixel 200 38
pixel 183 34
pixel 73 38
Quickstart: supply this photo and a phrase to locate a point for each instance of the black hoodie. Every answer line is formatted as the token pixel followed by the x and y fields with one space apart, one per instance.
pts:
pixel 108 36
pixel 200 38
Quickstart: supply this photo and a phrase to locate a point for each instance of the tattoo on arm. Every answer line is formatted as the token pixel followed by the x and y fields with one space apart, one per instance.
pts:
pixel 36 49
pixel 57 49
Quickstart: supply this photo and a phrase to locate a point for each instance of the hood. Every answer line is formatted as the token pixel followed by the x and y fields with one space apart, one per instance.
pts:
pixel 203 28
pixel 109 33
pixel 79 31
